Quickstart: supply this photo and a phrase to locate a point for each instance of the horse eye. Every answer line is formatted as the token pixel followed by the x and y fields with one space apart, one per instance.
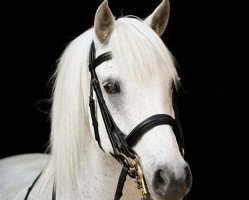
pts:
pixel 112 88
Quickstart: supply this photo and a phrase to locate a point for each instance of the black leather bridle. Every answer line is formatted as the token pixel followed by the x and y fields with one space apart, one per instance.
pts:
pixel 122 145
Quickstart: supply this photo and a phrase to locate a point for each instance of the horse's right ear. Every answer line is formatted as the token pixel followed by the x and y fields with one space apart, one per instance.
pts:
pixel 103 22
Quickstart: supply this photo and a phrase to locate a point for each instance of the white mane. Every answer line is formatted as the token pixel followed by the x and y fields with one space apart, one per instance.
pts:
pixel 137 50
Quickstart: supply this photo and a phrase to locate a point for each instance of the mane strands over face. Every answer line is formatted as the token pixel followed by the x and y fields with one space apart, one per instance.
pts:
pixel 140 53
pixel 69 112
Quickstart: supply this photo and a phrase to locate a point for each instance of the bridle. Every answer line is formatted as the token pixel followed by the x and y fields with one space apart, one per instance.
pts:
pixel 122 145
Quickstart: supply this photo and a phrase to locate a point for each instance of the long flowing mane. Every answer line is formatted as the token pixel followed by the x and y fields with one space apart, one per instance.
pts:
pixel 137 50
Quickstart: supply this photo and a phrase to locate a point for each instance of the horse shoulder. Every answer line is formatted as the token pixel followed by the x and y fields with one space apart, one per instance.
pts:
pixel 17 173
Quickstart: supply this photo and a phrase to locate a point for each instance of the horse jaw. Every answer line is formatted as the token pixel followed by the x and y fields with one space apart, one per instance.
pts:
pixel 99 175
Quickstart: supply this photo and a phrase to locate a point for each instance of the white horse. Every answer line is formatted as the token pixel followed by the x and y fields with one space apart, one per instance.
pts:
pixel 136 83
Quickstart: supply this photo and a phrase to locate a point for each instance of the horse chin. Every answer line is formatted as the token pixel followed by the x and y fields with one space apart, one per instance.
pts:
pixel 157 197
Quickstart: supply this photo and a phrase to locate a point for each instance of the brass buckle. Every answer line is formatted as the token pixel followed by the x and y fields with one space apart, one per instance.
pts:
pixel 141 181
pixel 135 171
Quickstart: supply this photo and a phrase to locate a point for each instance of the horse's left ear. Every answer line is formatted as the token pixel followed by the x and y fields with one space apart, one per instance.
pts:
pixel 158 20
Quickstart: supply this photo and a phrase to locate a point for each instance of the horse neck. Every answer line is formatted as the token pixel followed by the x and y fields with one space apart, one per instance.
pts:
pixel 97 178
pixel 99 173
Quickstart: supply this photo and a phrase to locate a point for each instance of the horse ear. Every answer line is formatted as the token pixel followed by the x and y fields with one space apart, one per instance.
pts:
pixel 158 20
pixel 103 22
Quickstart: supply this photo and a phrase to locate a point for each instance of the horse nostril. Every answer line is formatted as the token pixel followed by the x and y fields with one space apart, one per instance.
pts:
pixel 160 182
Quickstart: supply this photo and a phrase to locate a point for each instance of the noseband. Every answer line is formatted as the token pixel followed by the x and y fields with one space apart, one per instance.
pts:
pixel 122 145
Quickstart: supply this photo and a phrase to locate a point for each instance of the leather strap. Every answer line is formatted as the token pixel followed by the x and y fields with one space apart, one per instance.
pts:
pixel 179 136
pixel 93 63
pixel 116 137
pixel 94 119
pixel 146 125
pixel 31 187
pixel 121 182
pixel 33 184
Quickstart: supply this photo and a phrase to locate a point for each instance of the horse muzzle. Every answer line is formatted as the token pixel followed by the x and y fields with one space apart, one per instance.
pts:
pixel 172 184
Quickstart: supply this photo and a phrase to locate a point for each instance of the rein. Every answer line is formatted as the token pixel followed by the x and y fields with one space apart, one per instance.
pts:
pixel 122 145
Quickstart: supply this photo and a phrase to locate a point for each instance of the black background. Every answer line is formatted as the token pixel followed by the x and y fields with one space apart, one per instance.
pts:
pixel 198 35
